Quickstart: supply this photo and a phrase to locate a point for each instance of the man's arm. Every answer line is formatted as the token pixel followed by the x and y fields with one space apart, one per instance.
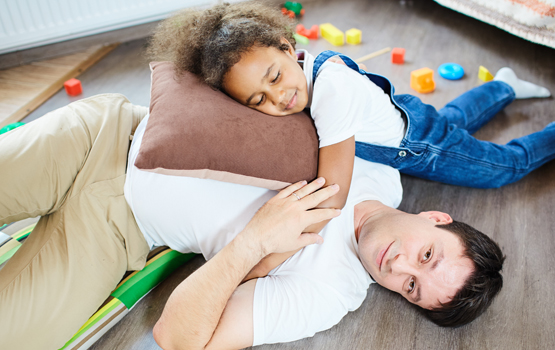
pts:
pixel 192 317
pixel 335 164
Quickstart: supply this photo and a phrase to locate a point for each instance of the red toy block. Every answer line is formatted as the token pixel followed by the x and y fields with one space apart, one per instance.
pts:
pixel 398 55
pixel 311 34
pixel 73 87
pixel 284 10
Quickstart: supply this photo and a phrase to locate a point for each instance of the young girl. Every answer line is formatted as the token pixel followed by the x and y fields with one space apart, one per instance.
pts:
pixel 247 51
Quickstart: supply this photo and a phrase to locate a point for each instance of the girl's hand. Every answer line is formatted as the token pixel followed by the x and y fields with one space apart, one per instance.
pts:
pixel 277 227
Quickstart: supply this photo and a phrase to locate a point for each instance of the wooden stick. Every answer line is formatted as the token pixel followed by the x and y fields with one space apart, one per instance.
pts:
pixel 373 54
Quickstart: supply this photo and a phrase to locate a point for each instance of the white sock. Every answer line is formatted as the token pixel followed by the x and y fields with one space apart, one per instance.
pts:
pixel 523 89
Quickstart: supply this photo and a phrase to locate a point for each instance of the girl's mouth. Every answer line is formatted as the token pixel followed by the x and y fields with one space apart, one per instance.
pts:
pixel 292 102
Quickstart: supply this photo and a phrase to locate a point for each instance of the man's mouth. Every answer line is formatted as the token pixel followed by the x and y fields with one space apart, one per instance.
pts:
pixel 381 255
pixel 292 102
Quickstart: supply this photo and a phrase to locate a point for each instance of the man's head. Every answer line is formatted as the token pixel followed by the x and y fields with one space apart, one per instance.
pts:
pixel 447 268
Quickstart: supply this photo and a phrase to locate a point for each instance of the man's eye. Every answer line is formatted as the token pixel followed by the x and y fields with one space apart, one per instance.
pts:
pixel 277 76
pixel 260 102
pixel 427 255
pixel 411 285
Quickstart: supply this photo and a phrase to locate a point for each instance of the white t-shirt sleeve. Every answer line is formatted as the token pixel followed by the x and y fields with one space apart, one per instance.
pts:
pixel 291 307
pixel 338 103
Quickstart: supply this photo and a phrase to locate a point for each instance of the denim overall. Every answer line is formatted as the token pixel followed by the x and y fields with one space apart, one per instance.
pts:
pixel 438 144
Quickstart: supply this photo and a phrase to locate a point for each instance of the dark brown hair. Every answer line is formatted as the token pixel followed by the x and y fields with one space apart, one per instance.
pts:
pixel 209 42
pixel 482 285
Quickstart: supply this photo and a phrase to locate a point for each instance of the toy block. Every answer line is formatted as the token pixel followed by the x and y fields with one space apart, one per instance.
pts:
pixel 422 80
pixel 313 32
pixel 296 7
pixel 398 55
pixel 354 36
pixel 73 87
pixel 484 74
pixel 332 34
pixel 300 39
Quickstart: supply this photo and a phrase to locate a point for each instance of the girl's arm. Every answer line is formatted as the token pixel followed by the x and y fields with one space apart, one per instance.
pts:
pixel 335 164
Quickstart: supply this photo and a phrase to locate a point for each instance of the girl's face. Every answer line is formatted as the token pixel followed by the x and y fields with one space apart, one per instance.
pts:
pixel 268 80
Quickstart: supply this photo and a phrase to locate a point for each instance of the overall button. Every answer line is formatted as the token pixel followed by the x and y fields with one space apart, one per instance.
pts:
pixel 402 153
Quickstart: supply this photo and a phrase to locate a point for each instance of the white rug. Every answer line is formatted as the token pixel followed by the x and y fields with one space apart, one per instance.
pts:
pixel 532 20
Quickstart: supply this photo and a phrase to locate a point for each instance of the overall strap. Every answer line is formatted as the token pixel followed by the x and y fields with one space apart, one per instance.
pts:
pixel 324 56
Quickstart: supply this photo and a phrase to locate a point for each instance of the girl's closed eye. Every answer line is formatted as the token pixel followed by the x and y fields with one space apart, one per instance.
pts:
pixel 261 100
pixel 277 77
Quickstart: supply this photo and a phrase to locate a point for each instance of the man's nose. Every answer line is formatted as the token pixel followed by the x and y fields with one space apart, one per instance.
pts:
pixel 400 265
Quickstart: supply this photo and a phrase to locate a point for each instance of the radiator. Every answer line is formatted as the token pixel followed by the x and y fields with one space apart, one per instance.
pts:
pixel 29 23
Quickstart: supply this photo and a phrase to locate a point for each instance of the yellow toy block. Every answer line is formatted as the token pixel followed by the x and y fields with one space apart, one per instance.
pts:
pixel 332 34
pixel 353 36
pixel 484 74
pixel 422 80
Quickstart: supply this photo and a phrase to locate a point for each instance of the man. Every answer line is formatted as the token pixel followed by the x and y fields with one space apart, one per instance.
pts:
pixel 434 262
pixel 69 167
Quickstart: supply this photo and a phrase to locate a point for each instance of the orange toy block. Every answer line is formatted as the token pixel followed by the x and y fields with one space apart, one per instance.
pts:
pixel 311 33
pixel 398 55
pixel 422 80
pixel 73 87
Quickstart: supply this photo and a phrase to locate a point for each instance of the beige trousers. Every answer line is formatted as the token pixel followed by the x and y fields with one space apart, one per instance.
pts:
pixel 69 168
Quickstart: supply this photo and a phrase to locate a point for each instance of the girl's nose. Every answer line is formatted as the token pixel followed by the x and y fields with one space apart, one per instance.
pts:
pixel 278 96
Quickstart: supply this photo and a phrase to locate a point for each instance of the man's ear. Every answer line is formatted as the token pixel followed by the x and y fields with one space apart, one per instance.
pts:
pixel 291 50
pixel 437 217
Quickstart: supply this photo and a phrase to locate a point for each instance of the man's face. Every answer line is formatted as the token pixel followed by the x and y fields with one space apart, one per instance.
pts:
pixel 407 254
pixel 268 80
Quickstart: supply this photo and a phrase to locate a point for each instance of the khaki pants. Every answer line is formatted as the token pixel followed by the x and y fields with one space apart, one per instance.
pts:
pixel 69 168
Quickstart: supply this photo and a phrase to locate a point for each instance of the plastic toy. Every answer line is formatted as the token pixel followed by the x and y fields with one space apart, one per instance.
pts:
pixel 484 74
pixel 10 127
pixel 398 55
pixel 353 36
pixel 73 87
pixel 451 71
pixel 332 34
pixel 311 33
pixel 300 39
pixel 294 8
pixel 422 80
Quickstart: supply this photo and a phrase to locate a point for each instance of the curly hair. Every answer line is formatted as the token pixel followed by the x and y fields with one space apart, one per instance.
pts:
pixel 482 285
pixel 209 42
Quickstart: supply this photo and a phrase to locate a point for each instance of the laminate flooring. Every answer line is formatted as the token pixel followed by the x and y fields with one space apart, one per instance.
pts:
pixel 519 216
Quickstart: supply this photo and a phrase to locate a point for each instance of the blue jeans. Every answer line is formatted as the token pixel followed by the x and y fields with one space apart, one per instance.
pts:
pixel 438 144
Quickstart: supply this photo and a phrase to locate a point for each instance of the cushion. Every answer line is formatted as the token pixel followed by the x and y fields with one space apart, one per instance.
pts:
pixel 196 131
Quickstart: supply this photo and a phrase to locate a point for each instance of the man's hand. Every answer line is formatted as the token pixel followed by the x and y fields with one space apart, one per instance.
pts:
pixel 192 317
pixel 279 224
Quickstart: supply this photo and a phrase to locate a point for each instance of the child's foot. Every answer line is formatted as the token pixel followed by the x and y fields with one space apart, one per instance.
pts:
pixel 523 89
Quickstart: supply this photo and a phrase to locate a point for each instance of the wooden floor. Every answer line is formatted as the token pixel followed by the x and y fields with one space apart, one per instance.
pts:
pixel 519 216
pixel 24 88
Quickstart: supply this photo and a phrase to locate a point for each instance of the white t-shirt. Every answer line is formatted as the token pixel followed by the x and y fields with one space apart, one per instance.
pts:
pixel 344 103
pixel 309 292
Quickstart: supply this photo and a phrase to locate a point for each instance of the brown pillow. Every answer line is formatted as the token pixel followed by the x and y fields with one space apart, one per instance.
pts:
pixel 198 132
